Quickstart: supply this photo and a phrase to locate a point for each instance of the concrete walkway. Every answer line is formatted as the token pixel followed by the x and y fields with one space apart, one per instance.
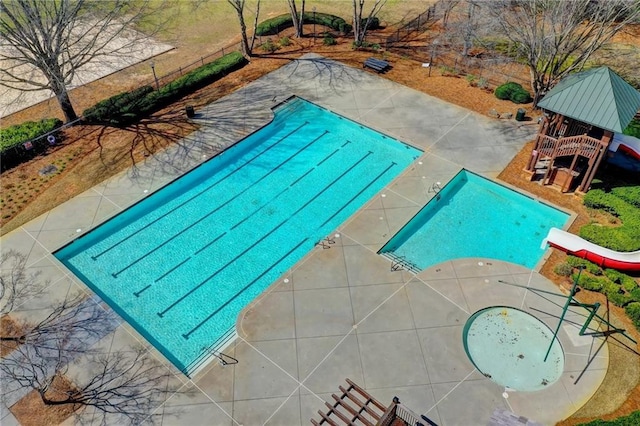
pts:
pixel 341 312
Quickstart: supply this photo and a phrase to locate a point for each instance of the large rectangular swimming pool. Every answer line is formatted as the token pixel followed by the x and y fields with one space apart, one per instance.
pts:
pixel 181 264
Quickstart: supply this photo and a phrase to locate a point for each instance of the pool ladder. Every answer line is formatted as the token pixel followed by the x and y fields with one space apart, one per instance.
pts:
pixel 325 243
pixel 399 263
pixel 224 359
pixel 435 188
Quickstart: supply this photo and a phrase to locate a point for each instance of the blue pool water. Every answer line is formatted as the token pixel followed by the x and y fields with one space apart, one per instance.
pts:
pixel 181 264
pixel 475 217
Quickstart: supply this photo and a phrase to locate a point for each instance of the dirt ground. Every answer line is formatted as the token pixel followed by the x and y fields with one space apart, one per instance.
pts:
pixel 31 410
pixel 90 154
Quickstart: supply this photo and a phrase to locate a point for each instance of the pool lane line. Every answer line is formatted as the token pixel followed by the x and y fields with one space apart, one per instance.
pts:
pixel 330 155
pixel 254 212
pixel 198 194
pixel 243 220
pixel 181 298
pixel 115 274
pixel 393 163
pixel 266 271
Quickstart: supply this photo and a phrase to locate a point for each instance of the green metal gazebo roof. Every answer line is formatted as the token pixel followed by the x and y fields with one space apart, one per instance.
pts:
pixel 598 96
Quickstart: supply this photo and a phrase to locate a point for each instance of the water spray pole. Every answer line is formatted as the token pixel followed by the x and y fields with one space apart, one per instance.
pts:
pixel 564 311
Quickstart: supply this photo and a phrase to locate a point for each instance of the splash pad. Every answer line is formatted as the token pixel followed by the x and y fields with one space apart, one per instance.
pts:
pixel 509 346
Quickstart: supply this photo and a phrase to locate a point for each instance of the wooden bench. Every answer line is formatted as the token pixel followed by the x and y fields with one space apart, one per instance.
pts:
pixel 376 64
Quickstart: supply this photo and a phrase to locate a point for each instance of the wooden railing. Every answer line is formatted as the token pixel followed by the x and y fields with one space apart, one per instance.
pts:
pixel 583 145
pixel 546 145
pixel 397 410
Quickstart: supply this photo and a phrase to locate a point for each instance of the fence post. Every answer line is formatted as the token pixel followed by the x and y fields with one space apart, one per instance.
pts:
pixel 223 51
pixel 202 60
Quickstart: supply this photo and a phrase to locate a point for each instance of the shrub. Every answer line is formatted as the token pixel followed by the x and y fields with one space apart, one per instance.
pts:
pixel 285 41
pixel 623 238
pixel 24 140
pixel 630 194
pixel 16 135
pixel 624 280
pixel 633 129
pixel 278 23
pixel 331 21
pixel 590 283
pixel 328 40
pixel 274 25
pixel 447 71
pixel 633 311
pixel 471 79
pixel 269 46
pixel 513 92
pixel 504 91
pixel 123 104
pixel 590 267
pixel 365 45
pixel 521 97
pixel 374 23
pixel 483 83
pixel 632 419
pixel 615 293
pixel 129 107
pixel 563 269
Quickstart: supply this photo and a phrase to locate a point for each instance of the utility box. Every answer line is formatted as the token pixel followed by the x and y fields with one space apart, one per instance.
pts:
pixel 520 114
pixel 190 111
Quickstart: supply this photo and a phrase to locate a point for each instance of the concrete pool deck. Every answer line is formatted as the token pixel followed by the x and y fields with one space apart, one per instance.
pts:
pixel 341 312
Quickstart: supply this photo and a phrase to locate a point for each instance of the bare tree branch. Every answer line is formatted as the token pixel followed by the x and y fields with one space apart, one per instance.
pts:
pixel 360 27
pixel 247 46
pixel 297 18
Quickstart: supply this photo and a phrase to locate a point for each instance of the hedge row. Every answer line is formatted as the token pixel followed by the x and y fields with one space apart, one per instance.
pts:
pixel 633 129
pixel 128 107
pixel 616 293
pixel 13 136
pixel 124 106
pixel 26 140
pixel 514 92
pixel 623 203
pixel 276 24
pixel 621 289
pixel 632 419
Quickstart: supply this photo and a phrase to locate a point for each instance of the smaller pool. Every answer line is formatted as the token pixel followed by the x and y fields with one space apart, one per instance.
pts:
pixel 509 346
pixel 475 217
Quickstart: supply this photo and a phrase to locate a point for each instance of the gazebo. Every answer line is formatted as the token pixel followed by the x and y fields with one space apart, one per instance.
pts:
pixel 582 112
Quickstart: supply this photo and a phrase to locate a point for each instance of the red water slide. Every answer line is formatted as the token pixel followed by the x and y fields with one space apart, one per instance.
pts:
pixel 605 258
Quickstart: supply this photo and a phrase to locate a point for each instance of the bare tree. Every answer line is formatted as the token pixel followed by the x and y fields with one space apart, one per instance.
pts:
pixel 46 42
pixel 448 6
pixel 361 26
pixel 297 18
pixel 556 38
pixel 247 46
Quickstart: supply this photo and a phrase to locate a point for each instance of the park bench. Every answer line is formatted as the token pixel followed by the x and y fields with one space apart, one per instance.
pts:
pixel 376 64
